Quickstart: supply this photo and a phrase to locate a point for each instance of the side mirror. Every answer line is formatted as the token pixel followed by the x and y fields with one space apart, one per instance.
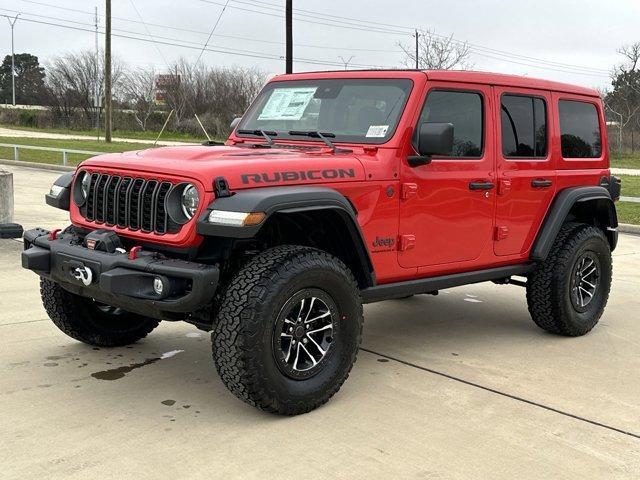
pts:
pixel 433 139
pixel 235 122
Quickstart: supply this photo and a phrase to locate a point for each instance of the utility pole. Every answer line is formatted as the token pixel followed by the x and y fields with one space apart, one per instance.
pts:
pixel 96 75
pixel 417 50
pixel 13 62
pixel 107 73
pixel 289 30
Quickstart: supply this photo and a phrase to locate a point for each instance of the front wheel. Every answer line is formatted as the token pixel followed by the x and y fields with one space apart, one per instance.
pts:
pixel 288 330
pixel 568 292
pixel 91 322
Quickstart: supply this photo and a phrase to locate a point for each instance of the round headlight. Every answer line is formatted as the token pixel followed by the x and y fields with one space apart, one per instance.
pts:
pixel 84 187
pixel 190 201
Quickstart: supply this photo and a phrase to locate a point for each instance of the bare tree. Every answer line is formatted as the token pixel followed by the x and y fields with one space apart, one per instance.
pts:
pixel 139 88
pixel 624 100
pixel 437 52
pixel 218 95
pixel 74 81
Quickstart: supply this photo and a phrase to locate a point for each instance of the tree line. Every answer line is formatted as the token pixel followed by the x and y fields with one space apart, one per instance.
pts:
pixel 71 90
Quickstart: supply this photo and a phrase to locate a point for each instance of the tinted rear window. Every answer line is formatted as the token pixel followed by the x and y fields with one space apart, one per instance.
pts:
pixel 580 130
pixel 524 126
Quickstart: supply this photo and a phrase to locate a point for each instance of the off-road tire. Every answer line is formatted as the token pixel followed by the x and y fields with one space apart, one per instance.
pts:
pixel 82 319
pixel 549 287
pixel 244 330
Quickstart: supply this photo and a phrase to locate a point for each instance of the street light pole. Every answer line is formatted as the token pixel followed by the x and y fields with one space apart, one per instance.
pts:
pixel 346 62
pixel 13 62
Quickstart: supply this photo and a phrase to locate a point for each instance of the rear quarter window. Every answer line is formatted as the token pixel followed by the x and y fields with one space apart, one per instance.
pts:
pixel 579 129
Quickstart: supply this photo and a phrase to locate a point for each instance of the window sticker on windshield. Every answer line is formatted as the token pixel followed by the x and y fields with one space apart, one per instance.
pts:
pixel 377 131
pixel 287 103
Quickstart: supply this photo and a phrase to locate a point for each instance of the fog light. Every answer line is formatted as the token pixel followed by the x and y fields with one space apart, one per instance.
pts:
pixel 158 286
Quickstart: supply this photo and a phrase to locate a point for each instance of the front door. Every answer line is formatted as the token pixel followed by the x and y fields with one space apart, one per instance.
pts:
pixel 525 166
pixel 447 206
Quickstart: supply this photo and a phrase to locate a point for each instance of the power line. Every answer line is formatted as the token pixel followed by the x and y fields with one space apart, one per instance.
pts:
pixel 410 30
pixel 199 32
pixel 354 27
pixel 149 33
pixel 215 25
pixel 173 39
pixel 217 50
pixel 476 49
pixel 479 49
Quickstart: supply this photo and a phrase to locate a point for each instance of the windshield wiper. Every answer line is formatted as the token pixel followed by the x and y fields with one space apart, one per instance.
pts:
pixel 321 135
pixel 261 133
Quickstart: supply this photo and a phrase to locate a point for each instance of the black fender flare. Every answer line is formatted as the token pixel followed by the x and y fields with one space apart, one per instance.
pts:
pixel 286 200
pixel 564 201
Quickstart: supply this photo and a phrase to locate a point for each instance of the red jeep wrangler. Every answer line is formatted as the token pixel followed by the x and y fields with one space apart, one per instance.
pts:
pixel 335 190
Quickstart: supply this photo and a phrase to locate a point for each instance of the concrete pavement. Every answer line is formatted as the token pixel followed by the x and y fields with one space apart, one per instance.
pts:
pixel 458 386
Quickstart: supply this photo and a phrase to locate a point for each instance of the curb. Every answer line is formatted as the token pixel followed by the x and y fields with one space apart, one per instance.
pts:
pixel 39 166
pixel 628 228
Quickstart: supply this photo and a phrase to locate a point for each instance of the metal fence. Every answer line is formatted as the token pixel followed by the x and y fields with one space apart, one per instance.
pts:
pixel 63 151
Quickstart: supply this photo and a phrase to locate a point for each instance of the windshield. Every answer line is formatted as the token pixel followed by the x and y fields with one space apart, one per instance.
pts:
pixel 350 110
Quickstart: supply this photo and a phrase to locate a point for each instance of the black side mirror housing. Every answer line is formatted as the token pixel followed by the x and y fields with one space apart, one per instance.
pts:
pixel 433 139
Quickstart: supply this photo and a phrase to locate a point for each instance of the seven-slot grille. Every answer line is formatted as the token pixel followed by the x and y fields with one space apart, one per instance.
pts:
pixel 128 202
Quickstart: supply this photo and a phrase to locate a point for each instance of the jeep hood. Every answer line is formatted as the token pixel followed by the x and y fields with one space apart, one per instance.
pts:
pixel 242 167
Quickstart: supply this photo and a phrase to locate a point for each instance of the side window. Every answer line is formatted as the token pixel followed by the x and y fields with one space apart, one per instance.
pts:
pixel 462 109
pixel 580 130
pixel 524 126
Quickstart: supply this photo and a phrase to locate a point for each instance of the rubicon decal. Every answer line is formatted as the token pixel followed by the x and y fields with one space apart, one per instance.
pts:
pixel 297 175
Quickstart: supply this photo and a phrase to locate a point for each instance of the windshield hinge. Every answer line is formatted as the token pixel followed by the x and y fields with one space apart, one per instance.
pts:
pixel 221 187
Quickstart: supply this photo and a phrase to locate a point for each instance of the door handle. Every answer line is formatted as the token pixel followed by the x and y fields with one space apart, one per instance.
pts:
pixel 541 183
pixel 481 185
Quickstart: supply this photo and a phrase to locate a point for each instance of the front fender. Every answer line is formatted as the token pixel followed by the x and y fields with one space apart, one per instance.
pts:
pixel 287 200
pixel 270 200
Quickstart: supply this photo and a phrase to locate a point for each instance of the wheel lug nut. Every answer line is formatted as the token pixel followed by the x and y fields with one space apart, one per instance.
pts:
pixel 304 340
pixel 307 327
pixel 290 329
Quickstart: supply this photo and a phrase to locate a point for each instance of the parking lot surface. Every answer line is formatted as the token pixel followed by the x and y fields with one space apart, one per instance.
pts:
pixel 458 386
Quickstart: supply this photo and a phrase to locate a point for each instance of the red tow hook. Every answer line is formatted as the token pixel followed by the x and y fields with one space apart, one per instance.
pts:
pixel 133 253
pixel 53 234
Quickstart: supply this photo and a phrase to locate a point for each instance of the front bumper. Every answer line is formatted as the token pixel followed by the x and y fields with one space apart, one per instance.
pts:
pixel 116 280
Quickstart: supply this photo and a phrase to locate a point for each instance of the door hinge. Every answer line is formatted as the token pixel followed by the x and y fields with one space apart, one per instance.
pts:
pixel 502 232
pixel 406 242
pixel 408 190
pixel 504 187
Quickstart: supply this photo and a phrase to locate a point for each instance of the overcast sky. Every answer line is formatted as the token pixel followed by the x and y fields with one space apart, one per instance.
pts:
pixel 567 40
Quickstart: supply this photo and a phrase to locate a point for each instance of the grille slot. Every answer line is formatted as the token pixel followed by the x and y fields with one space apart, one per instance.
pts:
pixel 110 200
pixel 134 203
pixel 147 207
pixel 161 211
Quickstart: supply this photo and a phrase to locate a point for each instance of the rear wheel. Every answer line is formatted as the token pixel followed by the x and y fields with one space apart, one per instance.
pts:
pixel 288 330
pixel 567 294
pixel 91 322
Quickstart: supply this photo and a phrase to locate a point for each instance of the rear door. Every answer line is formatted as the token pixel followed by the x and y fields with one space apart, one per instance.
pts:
pixel 526 177
pixel 446 211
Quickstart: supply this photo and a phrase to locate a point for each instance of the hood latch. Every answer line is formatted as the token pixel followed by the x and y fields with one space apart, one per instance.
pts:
pixel 221 187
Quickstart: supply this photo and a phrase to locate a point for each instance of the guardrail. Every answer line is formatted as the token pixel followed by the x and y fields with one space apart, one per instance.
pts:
pixel 64 151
